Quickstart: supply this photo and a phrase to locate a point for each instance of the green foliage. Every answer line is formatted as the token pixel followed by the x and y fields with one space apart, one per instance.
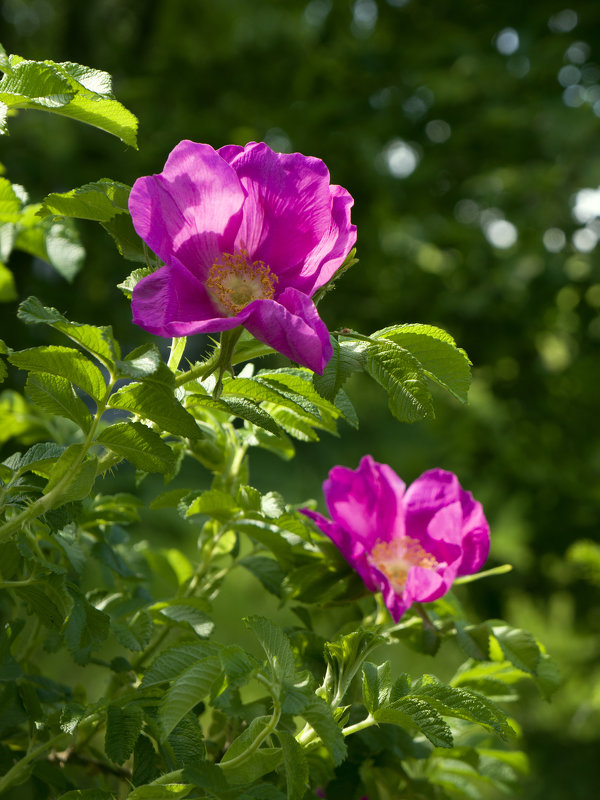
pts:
pixel 72 90
pixel 180 712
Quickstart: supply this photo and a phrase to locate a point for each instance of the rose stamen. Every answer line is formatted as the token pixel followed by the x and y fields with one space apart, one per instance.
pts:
pixel 395 559
pixel 235 281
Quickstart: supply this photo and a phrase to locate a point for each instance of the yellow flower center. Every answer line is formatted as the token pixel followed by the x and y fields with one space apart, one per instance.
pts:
pixel 395 558
pixel 235 281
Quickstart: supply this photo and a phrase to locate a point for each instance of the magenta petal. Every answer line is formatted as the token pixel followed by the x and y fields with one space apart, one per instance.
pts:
pixel 350 548
pixel 444 536
pixel 366 501
pixel 292 326
pixel 476 535
pixel 172 302
pixel 192 209
pixel 288 208
pixel 395 603
pixel 424 585
pixel 329 255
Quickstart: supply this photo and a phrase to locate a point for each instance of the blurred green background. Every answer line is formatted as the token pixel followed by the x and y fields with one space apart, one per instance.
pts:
pixel 469 135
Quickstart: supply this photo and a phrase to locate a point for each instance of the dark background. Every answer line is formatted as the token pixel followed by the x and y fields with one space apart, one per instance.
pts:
pixel 464 130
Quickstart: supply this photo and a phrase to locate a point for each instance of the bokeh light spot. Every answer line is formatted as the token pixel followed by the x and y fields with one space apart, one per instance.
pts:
pixel 401 158
pixel 507 41
pixel 467 211
pixel 569 75
pixel 438 130
pixel 564 21
pixel 584 240
pixel 578 52
pixel 554 240
pixel 586 206
pixel 501 233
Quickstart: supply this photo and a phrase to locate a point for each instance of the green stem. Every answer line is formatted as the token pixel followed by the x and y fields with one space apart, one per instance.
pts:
pixel 176 353
pixel 359 726
pixel 15 584
pixel 427 621
pixel 200 371
pixel 18 772
pixel 486 573
pixel 264 734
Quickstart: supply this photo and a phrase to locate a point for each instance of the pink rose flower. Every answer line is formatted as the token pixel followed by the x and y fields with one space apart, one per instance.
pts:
pixel 410 544
pixel 247 236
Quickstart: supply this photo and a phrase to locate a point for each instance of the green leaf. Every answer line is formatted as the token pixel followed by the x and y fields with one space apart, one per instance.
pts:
pixel 437 353
pixel 296 384
pixel 187 742
pixel 100 201
pixel 139 445
pixel 130 282
pixel 298 426
pixel 99 341
pixel 319 715
pixel 164 791
pixel 70 717
pixel 39 457
pixel 145 761
pixel 376 685
pixel 402 377
pixel 134 634
pixel 156 402
pixel 280 445
pixel 87 794
pixel 141 363
pixel 86 629
pixel 10 202
pixel 104 201
pixel 54 241
pixel 8 288
pixel 176 660
pixel 64 362
pixel 343 402
pixel 71 90
pixel 257 391
pixel 267 570
pixel 276 646
pixel 74 473
pixel 263 760
pixel 348 357
pixel 518 646
pixel 295 765
pixel 238 407
pixel 474 640
pixel 463 704
pixel 55 395
pixel 189 688
pixel 189 612
pixel 496 679
pixel 128 243
pixel 214 503
pixel 409 712
pixel 549 678
pixel 45 602
pixel 123 726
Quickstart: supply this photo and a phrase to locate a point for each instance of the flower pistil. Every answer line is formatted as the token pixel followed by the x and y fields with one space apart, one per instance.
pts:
pixel 235 281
